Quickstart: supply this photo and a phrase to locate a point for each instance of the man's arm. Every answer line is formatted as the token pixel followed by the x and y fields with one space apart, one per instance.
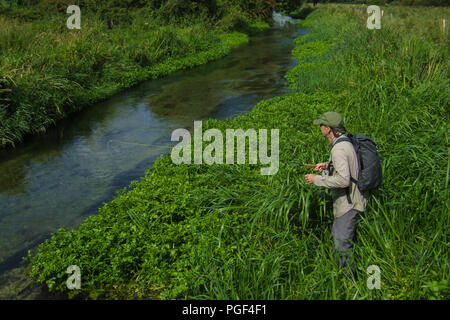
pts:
pixel 341 174
pixel 321 166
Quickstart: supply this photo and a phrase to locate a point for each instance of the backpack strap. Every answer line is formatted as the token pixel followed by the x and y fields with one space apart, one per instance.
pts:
pixel 344 138
pixel 352 180
pixel 347 190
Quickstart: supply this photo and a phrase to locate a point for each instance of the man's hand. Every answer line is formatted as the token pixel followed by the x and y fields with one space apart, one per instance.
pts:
pixel 310 178
pixel 321 166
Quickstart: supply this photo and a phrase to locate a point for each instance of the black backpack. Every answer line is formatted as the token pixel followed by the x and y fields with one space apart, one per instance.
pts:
pixel 369 163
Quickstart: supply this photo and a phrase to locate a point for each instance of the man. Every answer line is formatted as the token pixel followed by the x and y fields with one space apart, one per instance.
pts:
pixel 348 201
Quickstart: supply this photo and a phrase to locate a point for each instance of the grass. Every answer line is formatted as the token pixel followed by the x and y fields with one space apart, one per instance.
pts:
pixel 227 232
pixel 47 71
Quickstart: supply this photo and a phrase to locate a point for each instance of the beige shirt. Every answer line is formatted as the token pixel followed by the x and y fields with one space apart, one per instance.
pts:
pixel 345 164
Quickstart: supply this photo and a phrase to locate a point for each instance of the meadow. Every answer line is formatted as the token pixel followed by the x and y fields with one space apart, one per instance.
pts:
pixel 227 232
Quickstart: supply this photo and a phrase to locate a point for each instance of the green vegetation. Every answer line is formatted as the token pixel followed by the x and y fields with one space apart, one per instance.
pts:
pixel 391 2
pixel 48 71
pixel 227 232
pixel 302 12
pixel 289 5
pixel 295 8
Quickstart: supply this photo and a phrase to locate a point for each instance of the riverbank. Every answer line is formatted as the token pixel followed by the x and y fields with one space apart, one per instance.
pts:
pixel 58 179
pixel 227 232
pixel 48 72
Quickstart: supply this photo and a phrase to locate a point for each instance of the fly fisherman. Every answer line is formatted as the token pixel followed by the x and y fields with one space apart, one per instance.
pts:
pixel 348 201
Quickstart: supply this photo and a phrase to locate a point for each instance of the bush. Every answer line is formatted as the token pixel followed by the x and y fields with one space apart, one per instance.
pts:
pixel 286 6
pixel 302 13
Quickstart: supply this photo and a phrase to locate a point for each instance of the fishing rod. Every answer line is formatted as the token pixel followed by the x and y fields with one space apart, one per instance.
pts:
pixel 309 165
pixel 325 172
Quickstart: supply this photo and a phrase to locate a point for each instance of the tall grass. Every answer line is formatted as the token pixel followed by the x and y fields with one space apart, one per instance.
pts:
pixel 226 232
pixel 48 71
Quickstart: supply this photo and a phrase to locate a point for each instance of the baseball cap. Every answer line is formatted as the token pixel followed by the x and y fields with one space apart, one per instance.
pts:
pixel 330 119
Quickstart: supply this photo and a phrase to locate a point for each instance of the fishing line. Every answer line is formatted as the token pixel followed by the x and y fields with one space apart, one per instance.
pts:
pixel 137 144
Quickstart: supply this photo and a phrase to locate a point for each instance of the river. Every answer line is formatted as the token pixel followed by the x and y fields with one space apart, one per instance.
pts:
pixel 58 179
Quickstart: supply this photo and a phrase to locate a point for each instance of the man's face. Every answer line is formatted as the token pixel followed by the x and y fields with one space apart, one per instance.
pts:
pixel 324 129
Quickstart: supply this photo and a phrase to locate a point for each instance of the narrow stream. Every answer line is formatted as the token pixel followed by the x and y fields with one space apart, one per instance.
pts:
pixel 58 179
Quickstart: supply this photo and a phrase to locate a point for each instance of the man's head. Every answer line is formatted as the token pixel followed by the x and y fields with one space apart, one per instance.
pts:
pixel 331 124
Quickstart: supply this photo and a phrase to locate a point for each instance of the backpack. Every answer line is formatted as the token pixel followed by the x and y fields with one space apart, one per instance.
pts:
pixel 369 163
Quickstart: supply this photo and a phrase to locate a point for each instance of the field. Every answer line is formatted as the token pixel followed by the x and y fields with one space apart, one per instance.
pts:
pixel 227 232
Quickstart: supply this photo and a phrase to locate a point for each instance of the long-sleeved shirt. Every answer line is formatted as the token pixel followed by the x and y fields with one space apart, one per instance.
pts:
pixel 345 163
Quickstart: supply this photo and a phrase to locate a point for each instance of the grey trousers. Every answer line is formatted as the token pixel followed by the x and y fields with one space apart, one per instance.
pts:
pixel 344 231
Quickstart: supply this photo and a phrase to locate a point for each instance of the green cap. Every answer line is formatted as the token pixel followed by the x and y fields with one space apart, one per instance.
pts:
pixel 330 119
